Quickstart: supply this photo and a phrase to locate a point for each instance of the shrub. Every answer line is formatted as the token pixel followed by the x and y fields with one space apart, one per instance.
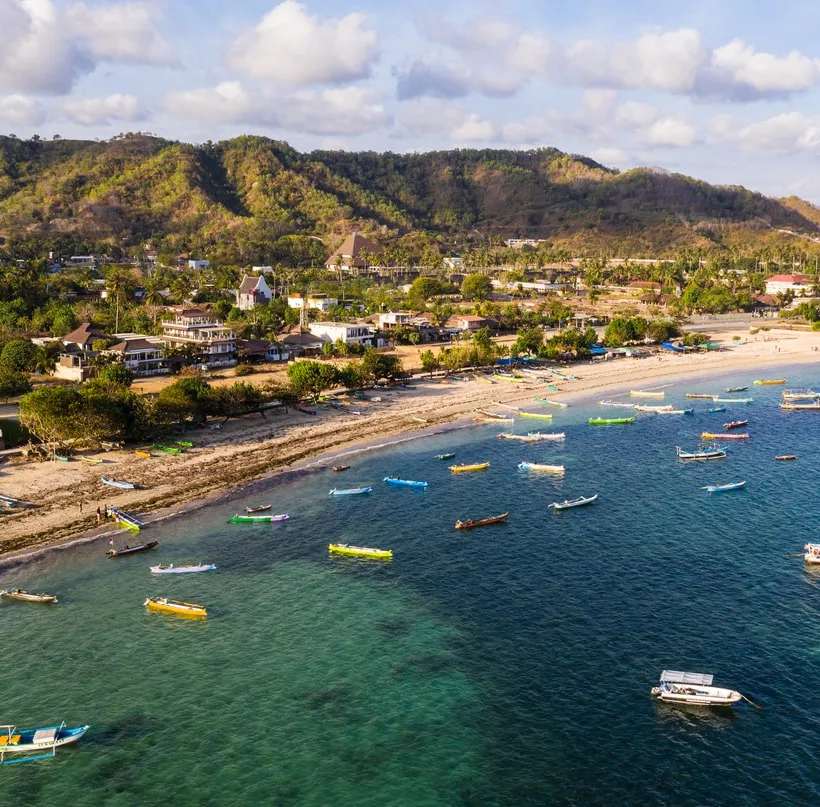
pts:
pixel 244 369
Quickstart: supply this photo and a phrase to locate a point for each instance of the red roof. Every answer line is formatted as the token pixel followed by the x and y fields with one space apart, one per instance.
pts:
pixel 789 278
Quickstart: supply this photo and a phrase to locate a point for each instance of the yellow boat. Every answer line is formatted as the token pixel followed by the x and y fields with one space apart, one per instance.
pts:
pixel 544 416
pixel 143 453
pixel 707 435
pixel 361 551
pixel 460 469
pixel 175 607
pixel 91 460
pixel 762 382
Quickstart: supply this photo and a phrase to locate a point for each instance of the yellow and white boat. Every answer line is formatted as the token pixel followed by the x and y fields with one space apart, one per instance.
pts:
pixel 460 469
pixel 542 415
pixel 175 607
pixel 361 551
pixel 763 382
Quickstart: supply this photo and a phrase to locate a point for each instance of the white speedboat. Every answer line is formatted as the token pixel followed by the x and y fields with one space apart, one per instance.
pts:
pixel 693 689
pixel 812 553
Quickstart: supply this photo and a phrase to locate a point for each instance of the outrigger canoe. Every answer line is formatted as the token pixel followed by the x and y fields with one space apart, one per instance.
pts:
pixel 735 424
pixel 361 551
pixel 28 596
pixel 122 484
pixel 732 436
pixel 130 550
pixel 263 508
pixel 550 402
pixel 460 469
pixel 237 519
pixel 537 466
pixel 543 416
pixel 393 480
pixel 786 457
pixel 45 740
pixel 143 454
pixel 175 607
pixel 481 522
pixel 721 488
pixel 767 382
pixel 126 519
pixel 167 449
pixel 448 456
pixel 569 503
pixel 609 421
pixel 92 460
pixel 349 491
pixel 190 569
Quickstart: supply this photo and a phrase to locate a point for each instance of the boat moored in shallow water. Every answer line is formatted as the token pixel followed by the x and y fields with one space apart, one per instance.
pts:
pixel 568 504
pixel 43 742
pixel 28 596
pixel 609 421
pixel 539 466
pixel 481 522
pixel 768 382
pixel 177 607
pixel 693 689
pixel 705 454
pixel 190 569
pixel 461 469
pixel 360 551
pixel 130 550
pixel 786 457
pixel 349 491
pixel 722 488
pixel 409 483
pixel 236 518
pixel 641 393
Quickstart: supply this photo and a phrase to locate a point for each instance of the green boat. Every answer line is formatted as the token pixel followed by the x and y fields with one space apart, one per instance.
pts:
pixel 168 449
pixel 237 519
pixel 184 443
pixel 609 421
pixel 445 456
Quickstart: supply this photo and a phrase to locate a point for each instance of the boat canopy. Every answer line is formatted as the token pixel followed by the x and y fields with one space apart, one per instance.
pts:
pixel 677 677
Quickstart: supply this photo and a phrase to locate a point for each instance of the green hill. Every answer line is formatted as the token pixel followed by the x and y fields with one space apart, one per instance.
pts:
pixel 235 199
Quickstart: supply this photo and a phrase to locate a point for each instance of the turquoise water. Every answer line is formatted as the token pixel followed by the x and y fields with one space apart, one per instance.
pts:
pixel 504 666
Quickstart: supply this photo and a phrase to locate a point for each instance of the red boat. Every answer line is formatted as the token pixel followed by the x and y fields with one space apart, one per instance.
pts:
pixel 736 424
pixel 481 522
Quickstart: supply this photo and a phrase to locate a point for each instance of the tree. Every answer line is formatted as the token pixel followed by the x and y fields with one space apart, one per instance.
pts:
pixel 476 287
pixel 20 355
pixel 312 377
pixel 529 340
pixel 375 365
pixel 53 414
pixel 186 399
pixel 12 382
pixel 115 374
pixel 429 362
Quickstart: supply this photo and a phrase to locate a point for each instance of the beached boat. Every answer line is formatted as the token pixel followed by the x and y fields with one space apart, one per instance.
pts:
pixel 715 409
pixel 786 457
pixel 349 491
pixel 538 466
pixel 91 460
pixel 460 469
pixel 735 389
pixel 804 394
pixel 609 421
pixel 640 393
pixel 496 421
pixel 718 399
pixel 42 742
pixel 480 522
pixel 510 378
pixel 261 509
pixel 565 376
pixel 122 484
pixel 191 569
pixel 722 488
pixel 675 412
pixel 177 607
pixel 812 553
pixel 130 550
pixel 110 445
pixel 542 415
pixel 361 551
pixel 126 519
pixel 621 404
pixel 27 596
pixel 338 468
pixel 708 395
pixel 693 689
pixel 769 382
pixel 306 411
pixel 727 436
pixel 11 501
pixel 448 456
pixel 184 443
pixel 652 409
pixel 492 415
pixel 550 402
pixel 238 519
pixel 394 480
pixel 61 458
pixel 703 454
pixel 143 454
pixel 808 407
pixel 567 504
pixel 167 449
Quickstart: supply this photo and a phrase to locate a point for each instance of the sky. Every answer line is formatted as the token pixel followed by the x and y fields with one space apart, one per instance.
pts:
pixel 727 92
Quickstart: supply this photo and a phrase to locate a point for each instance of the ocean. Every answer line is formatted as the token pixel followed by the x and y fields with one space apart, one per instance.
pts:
pixel 508 665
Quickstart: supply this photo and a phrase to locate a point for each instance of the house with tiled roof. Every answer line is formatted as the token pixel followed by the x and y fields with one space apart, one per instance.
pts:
pixel 139 355
pixel 84 337
pixel 467 323
pixel 797 283
pixel 349 255
pixel 252 291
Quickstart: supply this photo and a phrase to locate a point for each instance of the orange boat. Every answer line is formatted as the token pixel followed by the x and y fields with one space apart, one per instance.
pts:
pixel 481 522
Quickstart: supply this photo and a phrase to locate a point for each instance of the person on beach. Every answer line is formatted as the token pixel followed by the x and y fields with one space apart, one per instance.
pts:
pixel 99 514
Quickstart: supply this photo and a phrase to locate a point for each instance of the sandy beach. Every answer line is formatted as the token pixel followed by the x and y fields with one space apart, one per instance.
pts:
pixel 244 450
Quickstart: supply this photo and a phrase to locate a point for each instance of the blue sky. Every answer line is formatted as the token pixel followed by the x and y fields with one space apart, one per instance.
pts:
pixel 728 92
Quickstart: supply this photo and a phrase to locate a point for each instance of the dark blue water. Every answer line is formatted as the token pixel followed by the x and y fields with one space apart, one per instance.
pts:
pixel 509 665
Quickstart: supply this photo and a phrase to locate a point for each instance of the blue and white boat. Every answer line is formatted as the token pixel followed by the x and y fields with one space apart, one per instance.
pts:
pixel 721 488
pixel 393 480
pixel 191 569
pixel 42 743
pixel 715 409
pixel 117 483
pixel 349 491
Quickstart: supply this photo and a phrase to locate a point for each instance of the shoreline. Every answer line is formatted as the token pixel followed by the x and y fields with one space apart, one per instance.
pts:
pixel 249 453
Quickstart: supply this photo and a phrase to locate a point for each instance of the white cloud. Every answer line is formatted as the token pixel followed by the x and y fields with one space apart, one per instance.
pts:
pixel 473 129
pixel 296 48
pixel 532 53
pixel 598 103
pixel 431 117
pixel 671 132
pixel 611 156
pixel 634 114
pixel 763 71
pixel 101 111
pixel 782 134
pixel 721 127
pixel 19 110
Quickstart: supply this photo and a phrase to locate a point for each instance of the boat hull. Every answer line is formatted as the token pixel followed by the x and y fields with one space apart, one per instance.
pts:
pixel 408 483
pixel 481 522
pixel 579 502
pixel 360 551
pixel 130 550
pixel 28 596
pixel 43 741
pixel 164 605
pixel 202 567
pixel 463 469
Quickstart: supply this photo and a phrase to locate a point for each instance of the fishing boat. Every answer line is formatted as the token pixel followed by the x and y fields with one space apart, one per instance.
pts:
pixel 91 460
pixel 703 454
pixel 693 689
pixel 43 742
pixel 143 454
pixel 609 421
pixel 621 404
pixel 338 468
pixel 812 553
pixel 717 399
pixel 506 406
pixel 11 501
pixel 495 420
pixel 177 607
pixel 61 458
pixel 480 522
pixel 675 412
pixel 537 466
pixel 722 488
pixel 122 484
pixel 261 509
pixel 653 409
pixel 786 457
pixel 126 519
pixel 814 406
pixel 492 415
pixel 393 480
pixel 715 409
pixel 448 456
pixel 732 436
pixel 543 416
pixel 769 382
pixel 461 469
pixel 800 394
pixel 238 519
pixel 565 376
pixel 130 550
pixel 306 411
pixel 640 393
pixel 708 395
pixel 27 596
pixel 510 378
pixel 550 402
pixel 524 438
pixel 184 443
pixel 570 503
pixel 735 389
pixel 349 491
pixel 167 449
pixel 191 569
pixel 361 551
pixel 736 424
pixel 548 436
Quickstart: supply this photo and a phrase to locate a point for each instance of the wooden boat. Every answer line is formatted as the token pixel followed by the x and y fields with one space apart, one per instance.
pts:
pixel 261 509
pixel 349 491
pixel 496 421
pixel 393 480
pixel 735 389
pixel 117 483
pixel 570 503
pixel 786 457
pixel 42 742
pixel 27 596
pixel 733 436
pixel 11 501
pixel 493 415
pixel 550 402
pixel 461 469
pixel 447 456
pixel 653 409
pixel 693 689
pixel 722 488
pixel 192 569
pixel 175 607
pixel 814 406
pixel 417 419
pixel 714 409
pixel 143 454
pixel 543 416
pixel 126 519
pixel 237 519
pixel 184 443
pixel 537 466
pixel 338 468
pixel 61 458
pixel 91 460
pixel 621 404
pixel 510 378
pixel 736 424
pixel 812 553
pixel 480 522
pixel 639 393
pixel 306 411
pixel 361 551
pixel 708 395
pixel 609 421
pixel 704 454
pixel 769 382
pixel 167 449
pixel 717 399
pixel 110 445
pixel 675 412
pixel 532 437
pixel 565 376
pixel 130 550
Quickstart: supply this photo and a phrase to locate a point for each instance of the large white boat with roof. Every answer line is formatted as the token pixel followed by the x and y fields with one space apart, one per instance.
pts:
pixel 693 689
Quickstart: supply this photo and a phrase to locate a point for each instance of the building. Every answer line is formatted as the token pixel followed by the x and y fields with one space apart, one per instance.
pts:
pixel 84 337
pixel 314 302
pixel 262 270
pixel 261 350
pixel 393 319
pixel 196 328
pixel 349 254
pixel 139 355
pixel 82 260
pixel 299 341
pixel 252 291
pixel 467 323
pixel 193 264
pixel 348 332
pixel 799 284
pixel 517 243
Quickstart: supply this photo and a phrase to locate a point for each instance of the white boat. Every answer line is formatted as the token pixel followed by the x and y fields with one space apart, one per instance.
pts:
pixel 117 483
pixel 800 394
pixel 653 409
pixel 676 411
pixel 171 569
pixel 693 689
pixel 43 742
pixel 722 488
pixel 718 399
pixel 717 453
pixel 537 466
pixel 812 553
pixel 349 491
pixel 620 404
pixel 640 393
pixel 814 405
pixel 569 503
pixel 550 436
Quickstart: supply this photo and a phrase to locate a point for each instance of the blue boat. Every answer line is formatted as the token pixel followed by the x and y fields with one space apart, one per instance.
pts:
pixel 44 740
pixel 721 488
pixel 715 409
pixel 393 480
pixel 349 491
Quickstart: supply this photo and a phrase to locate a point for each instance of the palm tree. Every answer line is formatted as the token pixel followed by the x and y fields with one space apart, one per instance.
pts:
pixel 118 284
